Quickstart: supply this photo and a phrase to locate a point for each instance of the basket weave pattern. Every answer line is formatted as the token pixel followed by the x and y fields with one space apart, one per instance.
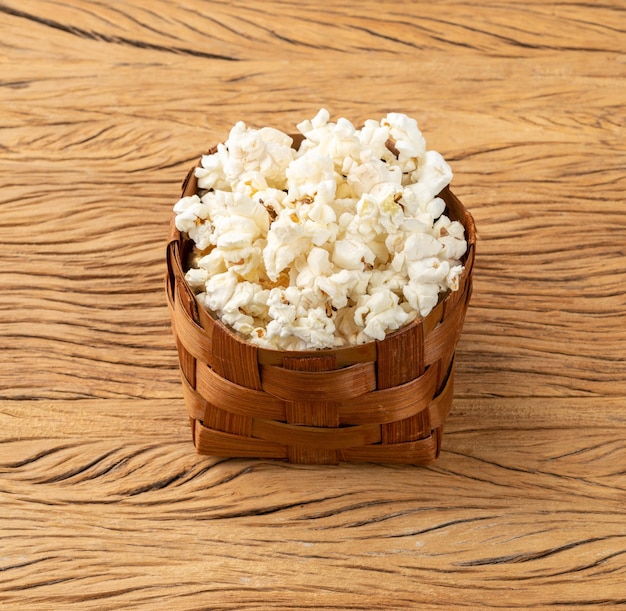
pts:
pixel 385 401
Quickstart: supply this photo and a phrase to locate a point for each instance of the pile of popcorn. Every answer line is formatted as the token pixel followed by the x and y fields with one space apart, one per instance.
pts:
pixel 334 244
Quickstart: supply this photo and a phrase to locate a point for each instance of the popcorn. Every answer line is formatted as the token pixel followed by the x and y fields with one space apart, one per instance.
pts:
pixel 213 263
pixel 379 313
pixel 430 177
pixel 337 142
pixel 267 151
pixel 352 254
pixel 197 277
pixel 219 289
pixel 235 232
pixel 309 173
pixel 421 297
pixel 366 177
pixel 191 216
pixel 407 138
pixel 335 244
pixel 343 286
pixel 315 330
pixel 291 234
pixel 419 246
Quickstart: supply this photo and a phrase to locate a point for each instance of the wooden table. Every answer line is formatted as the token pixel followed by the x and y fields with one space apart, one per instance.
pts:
pixel 104 503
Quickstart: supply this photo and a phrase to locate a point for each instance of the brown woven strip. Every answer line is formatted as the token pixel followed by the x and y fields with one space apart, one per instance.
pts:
pixel 195 402
pixel 236 398
pixel 390 404
pixel 440 406
pixel 334 385
pixel 190 183
pixel 348 355
pixel 183 290
pixel 401 359
pixel 443 339
pixel 434 318
pixel 316 437
pixel 420 452
pixel 311 412
pixel 219 443
pixel 233 360
pixel 452 300
pixel 187 364
pixel 196 341
pixel 171 259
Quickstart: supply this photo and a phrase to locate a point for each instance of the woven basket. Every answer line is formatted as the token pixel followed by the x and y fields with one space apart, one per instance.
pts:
pixel 384 401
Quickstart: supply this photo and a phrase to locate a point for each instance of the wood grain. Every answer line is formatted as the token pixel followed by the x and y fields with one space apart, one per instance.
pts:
pixel 104 505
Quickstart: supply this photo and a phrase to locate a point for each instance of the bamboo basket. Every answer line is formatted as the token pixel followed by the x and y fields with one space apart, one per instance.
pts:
pixel 384 401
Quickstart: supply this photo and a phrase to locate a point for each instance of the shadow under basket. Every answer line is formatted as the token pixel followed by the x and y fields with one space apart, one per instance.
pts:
pixel 384 401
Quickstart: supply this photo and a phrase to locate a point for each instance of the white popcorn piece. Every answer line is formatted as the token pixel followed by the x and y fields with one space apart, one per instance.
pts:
pixel 217 203
pixel 453 277
pixel 245 206
pixel 435 208
pixel 429 271
pixel 379 313
pixel 420 246
pixel 408 139
pixel 250 184
pixel 282 306
pixel 273 200
pixel 186 204
pixel 313 270
pixel 387 279
pixel 373 138
pixel 421 297
pixel 235 231
pixel 342 286
pixel 307 173
pixel 210 174
pixel 246 305
pixel 319 211
pixel 219 289
pixel 245 295
pixel 376 215
pixel 279 151
pixel 316 330
pixel 453 248
pixel 319 262
pixel 240 322
pixel 245 262
pixel 196 277
pixel 394 243
pixel 266 152
pixel 335 244
pixel 213 262
pixel 246 151
pixel 192 217
pixel 352 254
pixel 451 234
pixel 372 175
pixel 431 176
pixel 290 235
pixel 313 330
pixel 337 141
pixel 307 126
